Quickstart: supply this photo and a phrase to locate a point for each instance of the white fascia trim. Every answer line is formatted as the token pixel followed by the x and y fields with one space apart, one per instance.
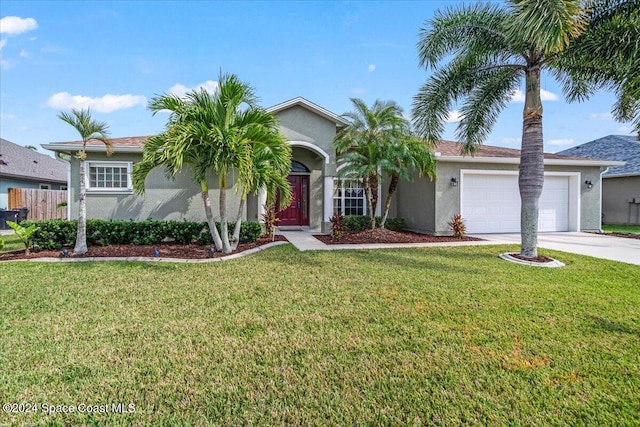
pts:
pixel 312 147
pixel 310 106
pixel 516 161
pixel 90 148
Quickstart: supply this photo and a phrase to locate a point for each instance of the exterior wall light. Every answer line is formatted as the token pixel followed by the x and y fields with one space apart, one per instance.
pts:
pixel 589 184
pixel 454 182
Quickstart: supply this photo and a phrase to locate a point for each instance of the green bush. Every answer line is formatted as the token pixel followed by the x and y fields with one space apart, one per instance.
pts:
pixel 363 222
pixel 56 233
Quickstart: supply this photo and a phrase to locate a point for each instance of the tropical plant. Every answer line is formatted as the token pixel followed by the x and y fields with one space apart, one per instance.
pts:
pixel 480 54
pixel 31 147
pixel 458 227
pixel 225 132
pixel 89 129
pixel 24 233
pixel 377 140
pixel 270 220
pixel 337 225
pixel 403 156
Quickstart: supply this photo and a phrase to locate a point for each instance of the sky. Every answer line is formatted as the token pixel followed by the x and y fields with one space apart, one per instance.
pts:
pixel 115 56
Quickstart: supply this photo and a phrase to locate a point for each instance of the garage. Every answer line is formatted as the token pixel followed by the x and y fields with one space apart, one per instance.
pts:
pixel 490 202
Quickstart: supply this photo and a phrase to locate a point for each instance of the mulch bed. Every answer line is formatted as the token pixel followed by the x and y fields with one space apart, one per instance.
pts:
pixel 539 258
pixel 382 235
pixel 625 235
pixel 167 250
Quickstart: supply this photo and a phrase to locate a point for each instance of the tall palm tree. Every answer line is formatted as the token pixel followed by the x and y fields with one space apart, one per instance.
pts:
pixel 480 55
pixel 89 129
pixel 221 132
pixel 363 145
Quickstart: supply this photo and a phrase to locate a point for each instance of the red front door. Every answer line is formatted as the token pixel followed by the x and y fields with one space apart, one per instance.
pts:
pixel 297 213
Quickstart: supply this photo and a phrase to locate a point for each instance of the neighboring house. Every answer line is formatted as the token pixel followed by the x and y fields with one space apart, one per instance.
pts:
pixel 24 168
pixel 621 184
pixel 485 189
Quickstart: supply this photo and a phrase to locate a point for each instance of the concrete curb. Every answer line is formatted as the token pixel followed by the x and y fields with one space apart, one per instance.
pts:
pixel 154 259
pixel 551 264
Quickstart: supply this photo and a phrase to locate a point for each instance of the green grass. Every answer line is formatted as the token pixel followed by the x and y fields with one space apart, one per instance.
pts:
pixel 11 242
pixel 437 336
pixel 634 229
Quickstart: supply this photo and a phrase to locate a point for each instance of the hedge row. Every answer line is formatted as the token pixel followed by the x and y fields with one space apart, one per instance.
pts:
pixel 56 233
pixel 363 222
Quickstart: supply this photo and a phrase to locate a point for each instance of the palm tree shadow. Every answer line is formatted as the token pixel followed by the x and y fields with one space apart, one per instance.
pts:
pixel 615 327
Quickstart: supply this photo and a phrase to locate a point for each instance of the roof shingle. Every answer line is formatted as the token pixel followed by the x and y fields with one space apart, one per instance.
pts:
pixel 23 163
pixel 613 147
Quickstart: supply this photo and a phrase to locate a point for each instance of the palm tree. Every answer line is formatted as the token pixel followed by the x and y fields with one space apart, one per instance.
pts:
pixel 363 145
pixel 402 157
pixel 493 49
pixel 89 129
pixel 224 132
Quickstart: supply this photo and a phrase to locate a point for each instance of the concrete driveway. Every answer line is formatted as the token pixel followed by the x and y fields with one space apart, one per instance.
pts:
pixel 595 245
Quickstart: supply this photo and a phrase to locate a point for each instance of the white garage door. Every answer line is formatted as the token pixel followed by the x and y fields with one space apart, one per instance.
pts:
pixel 491 204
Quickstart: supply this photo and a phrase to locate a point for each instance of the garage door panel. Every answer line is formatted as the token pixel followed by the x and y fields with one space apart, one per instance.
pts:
pixel 491 204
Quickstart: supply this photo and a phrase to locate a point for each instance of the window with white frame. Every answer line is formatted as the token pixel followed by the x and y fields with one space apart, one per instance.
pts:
pixel 349 197
pixel 109 176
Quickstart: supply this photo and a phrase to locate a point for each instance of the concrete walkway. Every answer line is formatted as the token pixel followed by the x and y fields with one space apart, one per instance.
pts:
pixel 596 245
pixel 304 241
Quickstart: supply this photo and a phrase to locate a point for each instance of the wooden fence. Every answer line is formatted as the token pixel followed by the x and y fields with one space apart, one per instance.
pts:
pixel 42 204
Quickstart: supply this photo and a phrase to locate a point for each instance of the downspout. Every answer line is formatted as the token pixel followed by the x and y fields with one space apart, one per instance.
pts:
pixel 603 170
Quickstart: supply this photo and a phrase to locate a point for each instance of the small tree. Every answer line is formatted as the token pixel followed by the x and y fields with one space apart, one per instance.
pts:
pixel 24 234
pixel 89 129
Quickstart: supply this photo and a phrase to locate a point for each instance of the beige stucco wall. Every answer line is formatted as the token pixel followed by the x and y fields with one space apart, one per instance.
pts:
pixel 616 208
pixel 178 199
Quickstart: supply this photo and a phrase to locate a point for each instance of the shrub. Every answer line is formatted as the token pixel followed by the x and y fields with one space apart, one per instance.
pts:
pixel 337 225
pixel 457 226
pixel 363 222
pixel 56 233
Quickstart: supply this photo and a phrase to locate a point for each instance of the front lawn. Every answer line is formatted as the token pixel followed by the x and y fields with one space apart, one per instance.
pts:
pixel 435 336
pixel 11 242
pixel 634 229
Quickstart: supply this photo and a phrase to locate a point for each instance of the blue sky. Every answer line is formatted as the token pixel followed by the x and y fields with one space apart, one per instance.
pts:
pixel 116 55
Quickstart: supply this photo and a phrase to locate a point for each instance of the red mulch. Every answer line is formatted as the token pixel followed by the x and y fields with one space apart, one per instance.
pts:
pixel 167 250
pixel 382 235
pixel 540 258
pixel 625 235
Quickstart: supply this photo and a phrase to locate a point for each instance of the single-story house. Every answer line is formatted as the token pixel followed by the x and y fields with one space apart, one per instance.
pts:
pixel 483 188
pixel 621 184
pixel 21 167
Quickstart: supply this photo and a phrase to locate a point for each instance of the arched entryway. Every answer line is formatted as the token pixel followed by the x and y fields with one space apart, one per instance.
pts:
pixel 297 213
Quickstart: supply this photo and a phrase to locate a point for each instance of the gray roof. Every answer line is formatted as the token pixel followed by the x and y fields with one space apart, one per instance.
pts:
pixel 613 147
pixel 23 163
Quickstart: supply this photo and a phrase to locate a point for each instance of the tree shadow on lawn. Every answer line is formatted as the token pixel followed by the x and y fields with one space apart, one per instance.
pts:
pixel 610 326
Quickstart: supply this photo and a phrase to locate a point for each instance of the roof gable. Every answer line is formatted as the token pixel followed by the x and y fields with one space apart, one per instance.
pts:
pixel 314 108
pixel 612 147
pixel 23 163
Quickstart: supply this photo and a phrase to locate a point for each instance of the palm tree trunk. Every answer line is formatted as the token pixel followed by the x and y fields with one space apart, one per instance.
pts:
pixel 393 184
pixel 373 186
pixel 81 236
pixel 224 227
pixel 367 193
pixel 217 242
pixel 235 239
pixel 531 174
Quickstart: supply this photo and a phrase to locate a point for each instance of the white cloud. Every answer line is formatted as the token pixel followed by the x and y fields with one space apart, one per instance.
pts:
pixel 24 54
pixel 7 116
pixel 627 130
pixel 181 90
pixel 545 95
pixel 600 116
pixel 5 65
pixel 454 116
pixel 3 43
pixel 17 25
pixel 104 104
pixel 562 142
pixel 358 90
pixel 371 67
